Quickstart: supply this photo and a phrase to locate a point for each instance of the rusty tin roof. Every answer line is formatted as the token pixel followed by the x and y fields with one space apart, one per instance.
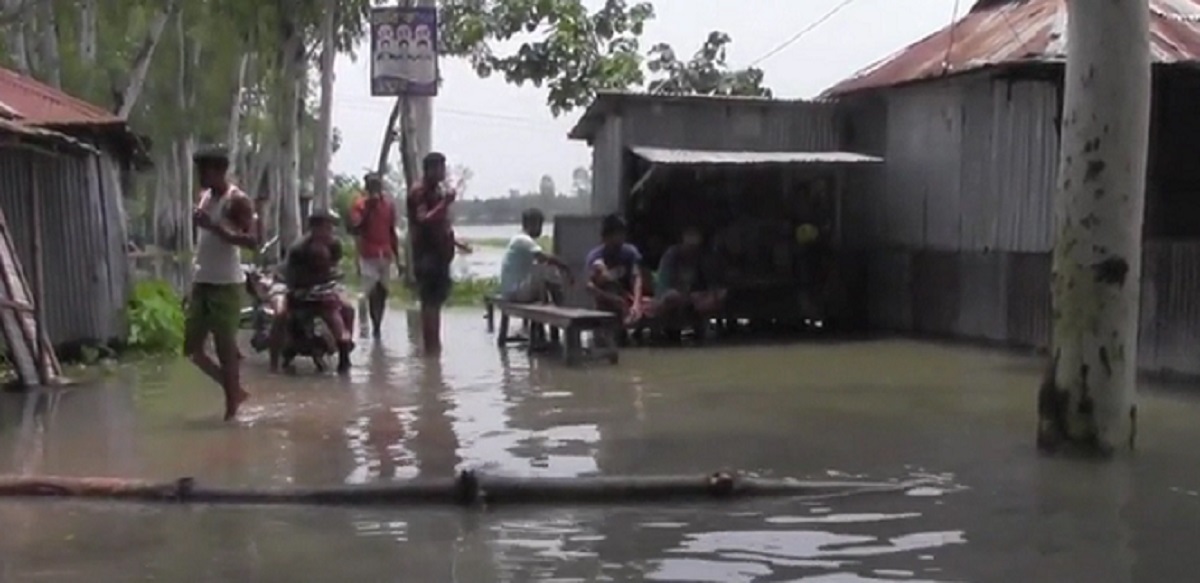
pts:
pixel 35 103
pixel 1007 32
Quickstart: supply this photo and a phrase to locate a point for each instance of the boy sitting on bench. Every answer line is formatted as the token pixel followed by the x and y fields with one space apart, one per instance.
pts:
pixel 524 278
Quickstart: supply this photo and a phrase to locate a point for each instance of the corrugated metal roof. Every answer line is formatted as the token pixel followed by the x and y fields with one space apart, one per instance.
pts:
pixel 606 102
pixel 998 32
pixel 718 158
pixel 36 103
pixel 41 136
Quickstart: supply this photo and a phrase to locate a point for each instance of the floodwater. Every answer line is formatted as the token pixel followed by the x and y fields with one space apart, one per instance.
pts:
pixel 485 258
pixel 876 410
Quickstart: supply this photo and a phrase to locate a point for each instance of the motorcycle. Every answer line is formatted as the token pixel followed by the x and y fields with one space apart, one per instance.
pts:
pixel 260 284
pixel 307 334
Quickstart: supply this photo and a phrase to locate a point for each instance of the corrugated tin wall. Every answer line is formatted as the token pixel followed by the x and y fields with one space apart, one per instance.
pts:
pixel 607 167
pixel 79 299
pixel 574 237
pixel 732 125
pixel 715 125
pixel 983 155
pixel 970 165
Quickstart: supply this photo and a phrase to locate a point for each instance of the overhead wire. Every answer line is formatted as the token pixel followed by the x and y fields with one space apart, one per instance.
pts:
pixel 950 43
pixel 799 35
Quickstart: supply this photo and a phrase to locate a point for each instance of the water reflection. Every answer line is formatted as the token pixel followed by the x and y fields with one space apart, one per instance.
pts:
pixel 815 411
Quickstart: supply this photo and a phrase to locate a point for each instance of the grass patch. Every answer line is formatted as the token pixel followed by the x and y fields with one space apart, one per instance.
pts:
pixel 466 292
pixel 545 241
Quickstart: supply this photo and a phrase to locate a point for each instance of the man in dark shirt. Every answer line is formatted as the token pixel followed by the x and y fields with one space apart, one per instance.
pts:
pixel 615 272
pixel 433 246
pixel 313 261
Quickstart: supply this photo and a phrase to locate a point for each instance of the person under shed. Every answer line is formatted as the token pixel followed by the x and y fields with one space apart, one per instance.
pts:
pixel 686 290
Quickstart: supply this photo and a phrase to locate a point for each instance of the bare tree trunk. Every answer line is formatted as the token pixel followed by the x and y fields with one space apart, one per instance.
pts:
pixel 233 138
pixel 14 39
pixel 389 137
pixel 290 106
pixel 160 204
pixel 88 23
pixel 324 153
pixel 49 60
pixel 142 59
pixel 1088 399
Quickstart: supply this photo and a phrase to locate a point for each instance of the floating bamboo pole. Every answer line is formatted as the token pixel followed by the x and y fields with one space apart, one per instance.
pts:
pixel 466 490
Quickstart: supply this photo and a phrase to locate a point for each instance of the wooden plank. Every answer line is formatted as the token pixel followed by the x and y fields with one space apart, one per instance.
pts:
pixel 11 325
pixel 556 315
pixel 33 354
pixel 572 322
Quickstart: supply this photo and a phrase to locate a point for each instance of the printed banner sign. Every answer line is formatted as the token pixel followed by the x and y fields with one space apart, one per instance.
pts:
pixel 404 51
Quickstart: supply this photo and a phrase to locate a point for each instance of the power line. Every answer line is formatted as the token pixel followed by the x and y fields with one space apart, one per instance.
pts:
pixel 505 120
pixel 950 44
pixel 789 42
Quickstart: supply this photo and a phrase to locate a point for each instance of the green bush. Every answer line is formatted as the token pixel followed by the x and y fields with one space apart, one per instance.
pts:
pixel 155 318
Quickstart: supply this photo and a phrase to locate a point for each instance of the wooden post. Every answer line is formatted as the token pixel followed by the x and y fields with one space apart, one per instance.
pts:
pixel 572 345
pixel 1087 400
pixel 39 310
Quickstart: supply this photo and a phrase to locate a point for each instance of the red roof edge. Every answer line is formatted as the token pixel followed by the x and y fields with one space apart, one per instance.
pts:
pixel 36 103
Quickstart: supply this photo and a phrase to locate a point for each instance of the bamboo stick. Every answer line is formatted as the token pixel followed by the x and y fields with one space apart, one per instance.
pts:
pixel 466 490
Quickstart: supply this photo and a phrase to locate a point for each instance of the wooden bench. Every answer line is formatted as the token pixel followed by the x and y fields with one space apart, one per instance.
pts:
pixel 571 322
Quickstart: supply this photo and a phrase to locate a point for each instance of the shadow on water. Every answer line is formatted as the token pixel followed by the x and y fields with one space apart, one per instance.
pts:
pixel 879 410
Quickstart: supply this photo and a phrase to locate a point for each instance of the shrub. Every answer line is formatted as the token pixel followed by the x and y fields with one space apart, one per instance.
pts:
pixel 155 318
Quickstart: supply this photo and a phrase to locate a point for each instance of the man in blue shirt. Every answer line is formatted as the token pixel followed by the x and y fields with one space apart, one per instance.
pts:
pixel 615 272
pixel 520 279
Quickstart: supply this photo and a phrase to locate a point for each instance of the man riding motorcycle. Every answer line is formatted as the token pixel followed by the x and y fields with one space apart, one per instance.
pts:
pixel 311 272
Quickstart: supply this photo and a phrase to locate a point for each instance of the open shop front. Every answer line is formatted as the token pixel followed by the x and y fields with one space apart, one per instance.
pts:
pixel 770 221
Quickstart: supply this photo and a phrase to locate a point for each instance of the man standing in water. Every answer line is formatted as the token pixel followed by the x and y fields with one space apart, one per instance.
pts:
pixel 225 221
pixel 373 222
pixel 432 246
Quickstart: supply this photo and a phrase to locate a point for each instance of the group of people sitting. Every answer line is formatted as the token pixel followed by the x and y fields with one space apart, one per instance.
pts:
pixel 682 292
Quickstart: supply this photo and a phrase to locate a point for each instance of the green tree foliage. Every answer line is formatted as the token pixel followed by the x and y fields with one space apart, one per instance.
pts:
pixel 706 73
pixel 571 50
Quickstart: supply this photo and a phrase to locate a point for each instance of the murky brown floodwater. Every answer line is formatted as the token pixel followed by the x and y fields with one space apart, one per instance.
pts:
pixel 879 410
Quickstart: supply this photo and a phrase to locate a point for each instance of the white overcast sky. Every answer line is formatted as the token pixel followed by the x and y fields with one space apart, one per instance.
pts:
pixel 506 135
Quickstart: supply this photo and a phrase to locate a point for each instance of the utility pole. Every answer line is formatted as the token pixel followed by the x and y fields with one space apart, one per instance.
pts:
pixel 324 154
pixel 416 126
pixel 1087 400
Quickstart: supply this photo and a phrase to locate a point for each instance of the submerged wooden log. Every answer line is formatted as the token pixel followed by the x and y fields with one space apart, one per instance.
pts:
pixel 468 489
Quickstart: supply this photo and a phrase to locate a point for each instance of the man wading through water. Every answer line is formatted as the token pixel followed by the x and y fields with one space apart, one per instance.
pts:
pixel 225 221
pixel 373 222
pixel 433 246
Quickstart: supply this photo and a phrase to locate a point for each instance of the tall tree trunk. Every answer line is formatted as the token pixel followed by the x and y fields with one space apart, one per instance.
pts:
pixel 49 59
pixel 16 27
pixel 1088 398
pixel 324 153
pixel 233 135
pixel 140 68
pixel 88 24
pixel 294 76
pixel 160 208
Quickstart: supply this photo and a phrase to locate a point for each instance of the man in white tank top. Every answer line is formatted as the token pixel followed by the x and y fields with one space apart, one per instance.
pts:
pixel 226 222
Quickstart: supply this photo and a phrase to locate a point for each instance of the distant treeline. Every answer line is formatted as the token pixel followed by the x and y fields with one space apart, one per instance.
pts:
pixel 507 211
